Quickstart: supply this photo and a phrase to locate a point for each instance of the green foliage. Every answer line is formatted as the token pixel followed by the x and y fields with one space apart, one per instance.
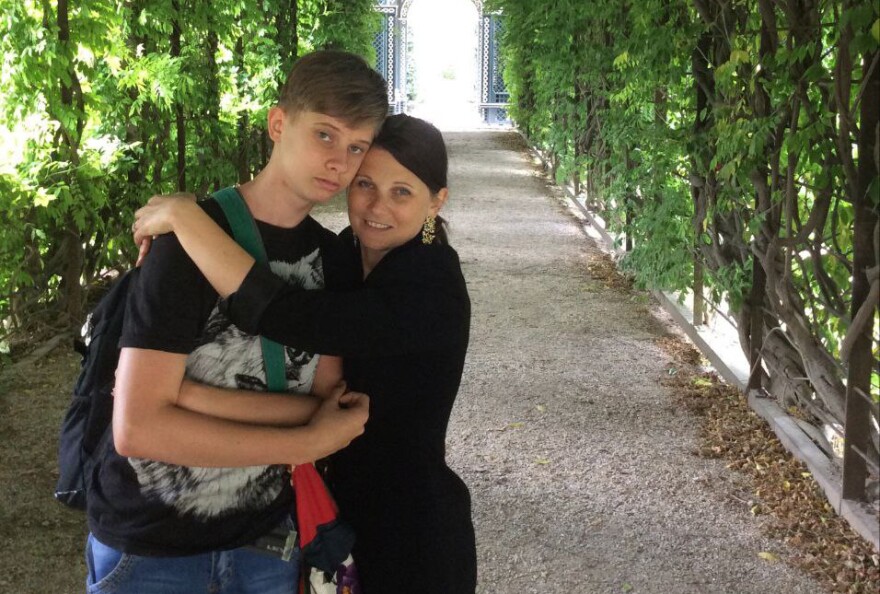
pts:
pixel 712 131
pixel 93 116
pixel 595 69
pixel 348 25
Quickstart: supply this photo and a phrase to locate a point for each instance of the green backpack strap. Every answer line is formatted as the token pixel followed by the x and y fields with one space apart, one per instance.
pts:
pixel 246 234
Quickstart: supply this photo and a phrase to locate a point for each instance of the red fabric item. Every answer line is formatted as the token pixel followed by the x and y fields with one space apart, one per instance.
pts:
pixel 314 505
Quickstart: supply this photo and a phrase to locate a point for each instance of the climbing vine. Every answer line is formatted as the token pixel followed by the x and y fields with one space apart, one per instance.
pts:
pixel 735 147
pixel 104 102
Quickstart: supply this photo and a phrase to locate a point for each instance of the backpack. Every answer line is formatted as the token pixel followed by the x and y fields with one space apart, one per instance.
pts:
pixel 88 417
pixel 86 424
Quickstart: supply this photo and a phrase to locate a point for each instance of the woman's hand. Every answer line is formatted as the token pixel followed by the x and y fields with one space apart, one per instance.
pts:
pixel 158 217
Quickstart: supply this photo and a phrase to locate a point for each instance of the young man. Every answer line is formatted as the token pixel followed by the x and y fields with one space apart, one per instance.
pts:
pixel 197 472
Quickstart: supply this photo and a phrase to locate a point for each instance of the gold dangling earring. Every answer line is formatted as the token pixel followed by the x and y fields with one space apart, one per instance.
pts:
pixel 428 230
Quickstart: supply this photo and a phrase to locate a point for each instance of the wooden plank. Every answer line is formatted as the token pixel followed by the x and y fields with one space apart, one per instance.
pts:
pixel 824 472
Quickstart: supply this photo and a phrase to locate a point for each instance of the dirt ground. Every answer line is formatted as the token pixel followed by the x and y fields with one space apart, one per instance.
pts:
pixel 42 541
pixel 580 463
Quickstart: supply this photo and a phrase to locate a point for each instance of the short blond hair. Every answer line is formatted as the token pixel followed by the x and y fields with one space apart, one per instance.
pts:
pixel 336 83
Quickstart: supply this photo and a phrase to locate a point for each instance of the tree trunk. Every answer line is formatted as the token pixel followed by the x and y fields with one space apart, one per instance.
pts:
pixel 763 199
pixel 243 137
pixel 287 37
pixel 71 240
pixel 865 246
pixel 179 118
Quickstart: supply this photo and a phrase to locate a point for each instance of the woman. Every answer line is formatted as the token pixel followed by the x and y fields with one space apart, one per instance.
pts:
pixel 403 333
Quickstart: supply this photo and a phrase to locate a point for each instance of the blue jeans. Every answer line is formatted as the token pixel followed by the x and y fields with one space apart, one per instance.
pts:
pixel 238 571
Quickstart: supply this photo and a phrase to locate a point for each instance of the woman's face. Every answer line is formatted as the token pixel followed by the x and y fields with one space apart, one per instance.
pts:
pixel 388 203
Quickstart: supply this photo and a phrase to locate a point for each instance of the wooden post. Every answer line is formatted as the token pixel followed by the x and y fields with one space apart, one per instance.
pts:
pixel 699 182
pixel 628 198
pixel 699 302
pixel 760 102
pixel 628 226
pixel 756 324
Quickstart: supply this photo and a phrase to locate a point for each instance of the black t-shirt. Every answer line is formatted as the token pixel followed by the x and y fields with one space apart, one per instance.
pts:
pixel 153 508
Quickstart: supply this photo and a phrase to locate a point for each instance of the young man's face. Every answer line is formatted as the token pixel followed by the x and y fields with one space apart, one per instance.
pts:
pixel 318 154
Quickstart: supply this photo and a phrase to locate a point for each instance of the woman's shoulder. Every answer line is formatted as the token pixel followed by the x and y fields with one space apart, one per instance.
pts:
pixel 445 256
pixel 416 251
pixel 430 264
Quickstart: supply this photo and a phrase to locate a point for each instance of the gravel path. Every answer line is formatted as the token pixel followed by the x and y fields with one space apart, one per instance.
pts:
pixel 578 461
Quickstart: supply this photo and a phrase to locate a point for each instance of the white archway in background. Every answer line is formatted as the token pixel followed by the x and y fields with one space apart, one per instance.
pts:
pixel 392 54
pixel 445 61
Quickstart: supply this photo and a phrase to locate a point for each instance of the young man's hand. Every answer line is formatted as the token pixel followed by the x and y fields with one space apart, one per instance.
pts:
pixel 340 418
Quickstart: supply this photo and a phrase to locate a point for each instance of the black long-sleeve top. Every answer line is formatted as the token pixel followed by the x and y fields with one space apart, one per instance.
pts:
pixel 403 334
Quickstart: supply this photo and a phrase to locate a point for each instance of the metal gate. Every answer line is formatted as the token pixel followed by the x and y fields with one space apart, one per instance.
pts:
pixel 391 59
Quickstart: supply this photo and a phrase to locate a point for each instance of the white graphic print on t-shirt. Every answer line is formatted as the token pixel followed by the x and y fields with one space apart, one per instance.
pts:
pixel 230 358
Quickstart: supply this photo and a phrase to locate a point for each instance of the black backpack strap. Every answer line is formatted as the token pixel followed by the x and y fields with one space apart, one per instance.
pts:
pixel 245 232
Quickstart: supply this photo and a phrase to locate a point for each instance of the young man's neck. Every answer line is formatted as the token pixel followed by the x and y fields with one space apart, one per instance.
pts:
pixel 271 202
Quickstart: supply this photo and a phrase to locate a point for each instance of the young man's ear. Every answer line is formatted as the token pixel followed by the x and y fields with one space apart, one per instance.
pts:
pixel 277 117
